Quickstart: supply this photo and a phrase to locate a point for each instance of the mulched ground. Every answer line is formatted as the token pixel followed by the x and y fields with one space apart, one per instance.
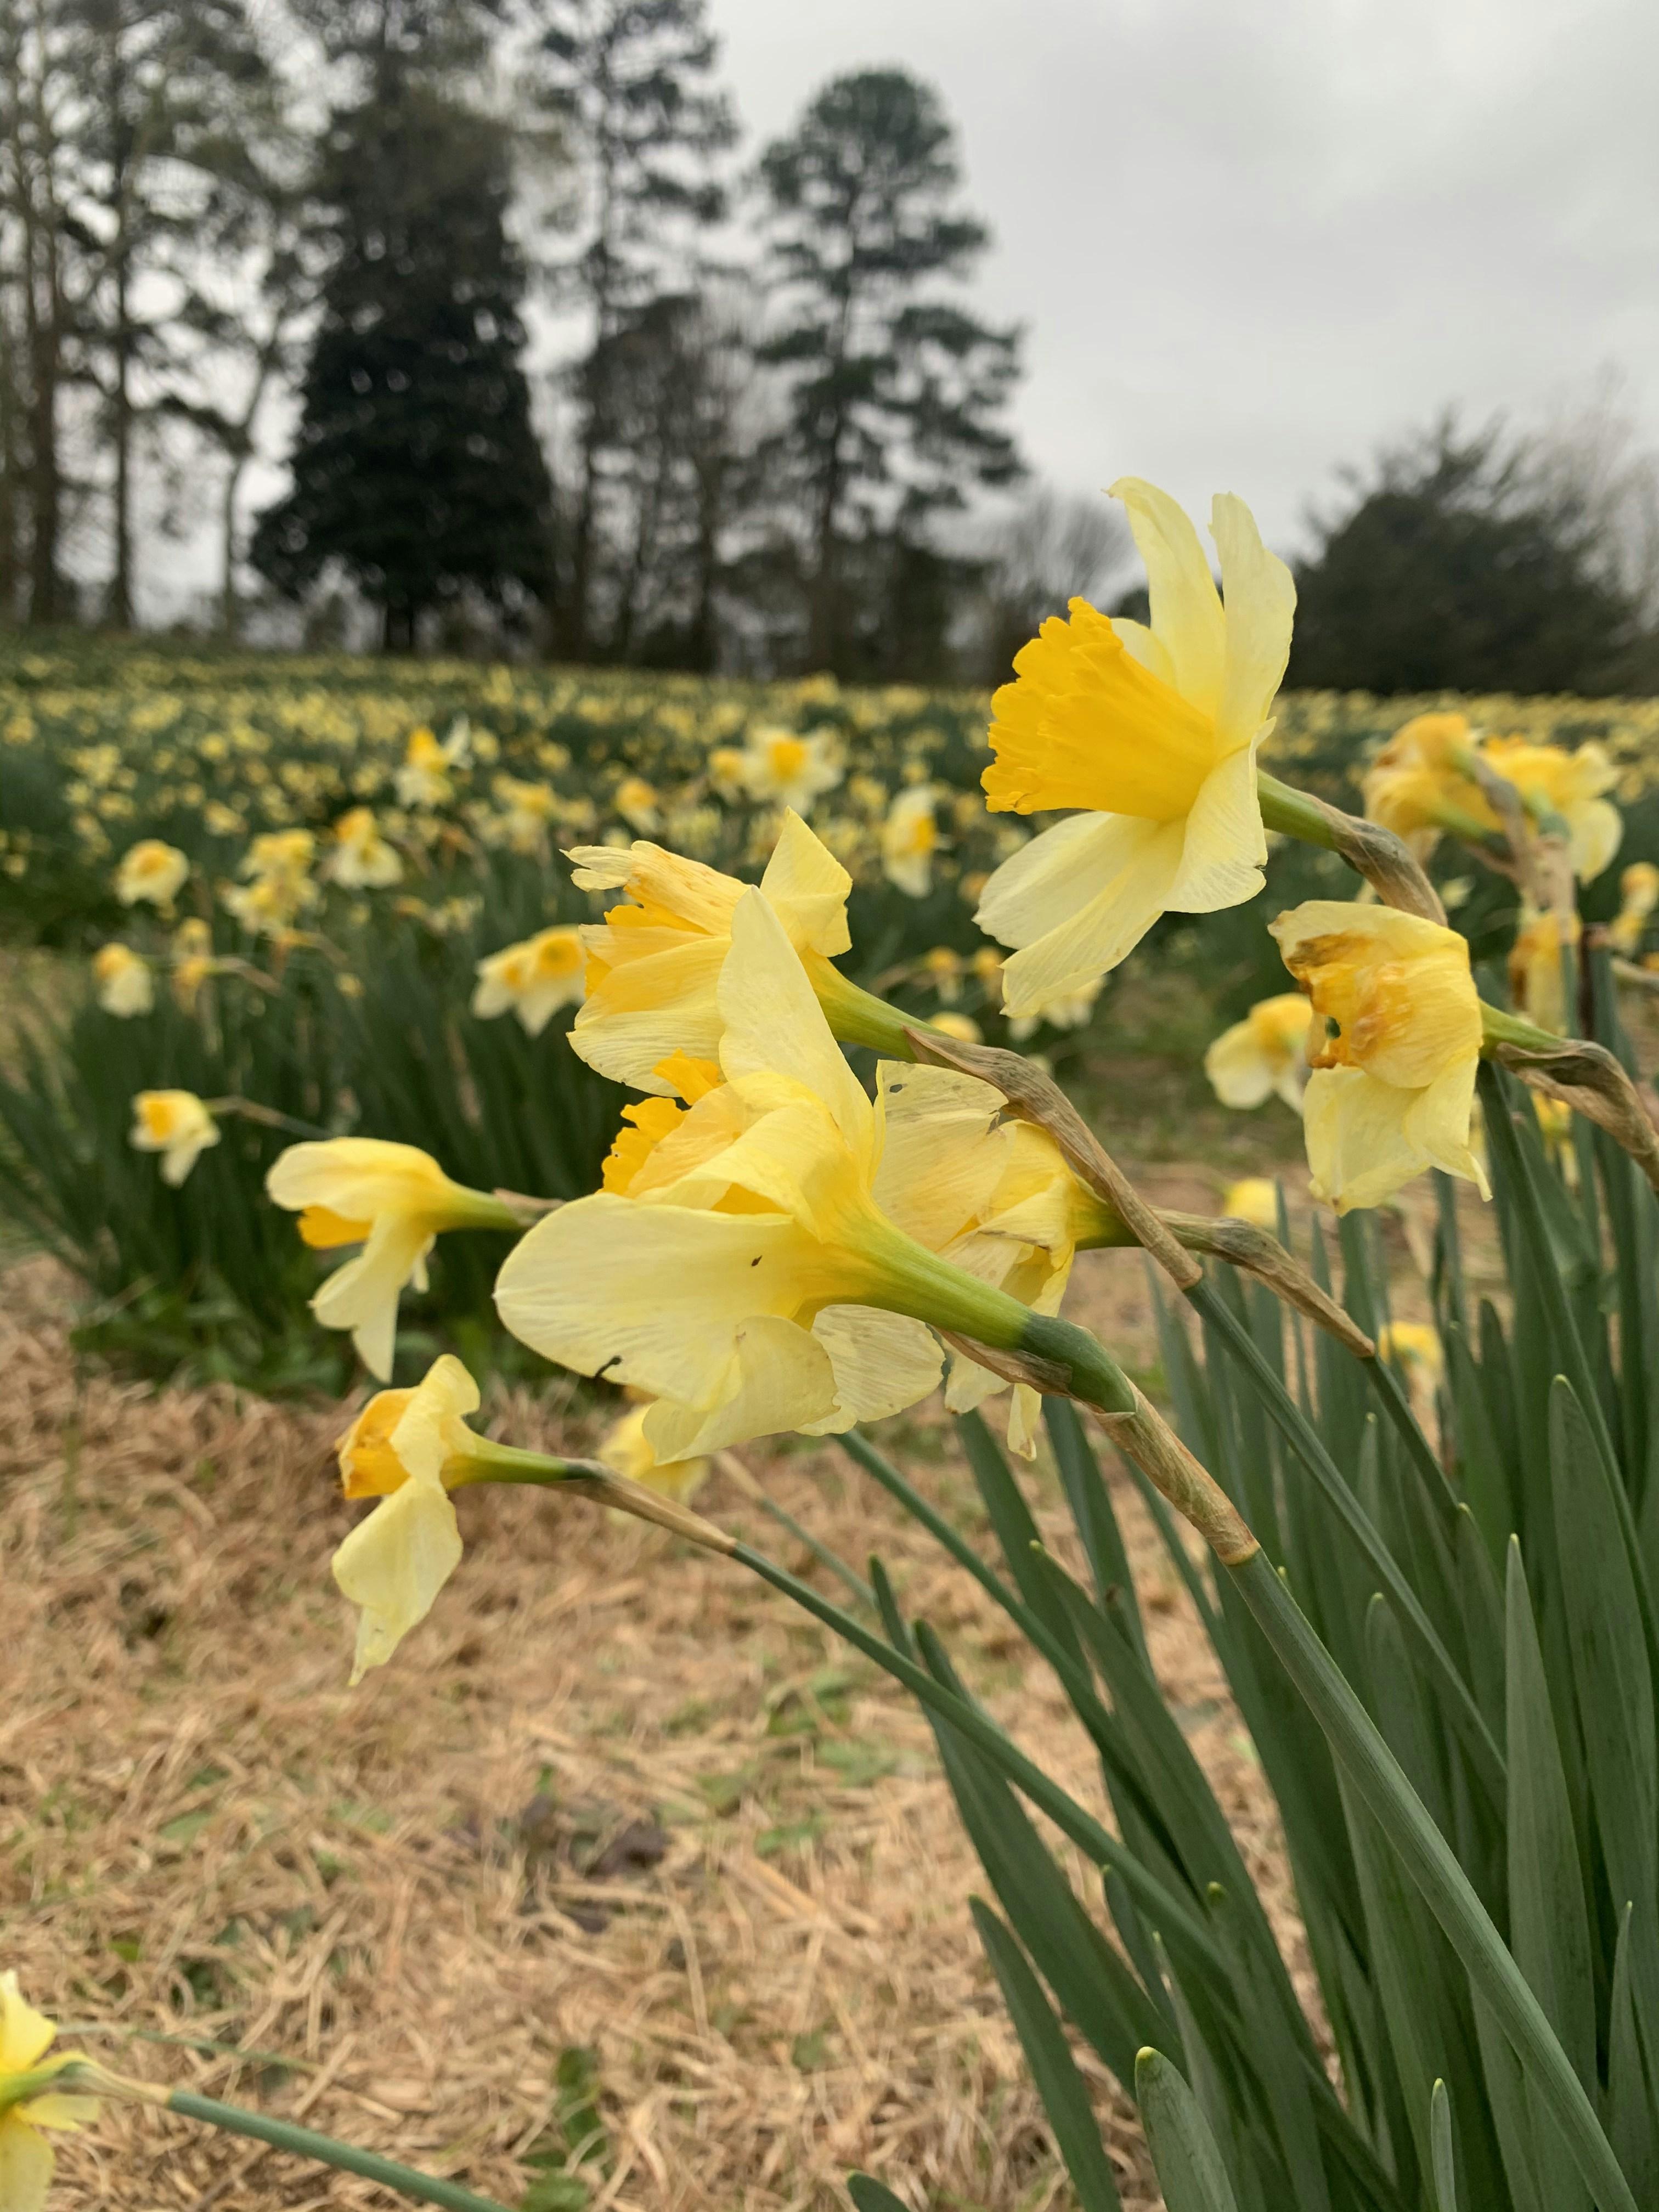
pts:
pixel 617 1829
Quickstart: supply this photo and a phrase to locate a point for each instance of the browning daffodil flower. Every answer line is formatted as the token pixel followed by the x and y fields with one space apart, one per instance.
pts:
pixel 1152 734
pixel 1393 1085
pixel 993 1195
pixel 410 1448
pixel 28 2103
pixel 533 979
pixel 744 1273
pixel 394 1201
pixel 176 1124
pixel 1264 1056
pixel 653 964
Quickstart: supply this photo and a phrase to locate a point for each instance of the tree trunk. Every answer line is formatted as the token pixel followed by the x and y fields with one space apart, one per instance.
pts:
pixel 120 590
pixel 44 316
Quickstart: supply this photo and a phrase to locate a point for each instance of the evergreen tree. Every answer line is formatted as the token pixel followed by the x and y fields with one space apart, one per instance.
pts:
pixel 1465 566
pixel 628 83
pixel 894 390
pixel 416 467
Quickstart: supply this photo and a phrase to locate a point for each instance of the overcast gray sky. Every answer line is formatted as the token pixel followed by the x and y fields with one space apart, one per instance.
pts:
pixel 1249 240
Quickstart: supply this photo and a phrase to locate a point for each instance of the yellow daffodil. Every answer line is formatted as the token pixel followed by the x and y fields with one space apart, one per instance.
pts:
pixel 627 1450
pixel 991 1194
pixel 1638 894
pixel 910 838
pixel 1152 734
pixel 952 1022
pixel 1393 1085
pixel 362 859
pixel 1417 784
pixel 192 961
pixel 726 765
pixel 409 1449
pixel 638 804
pixel 1254 1199
pixel 653 964
pixel 1265 1055
pixel 423 780
pixel 942 967
pixel 1539 974
pixel 26 2157
pixel 528 812
pixel 783 769
pixel 1569 785
pixel 392 1199
pixel 747 1277
pixel 123 980
pixel 1412 1344
pixel 533 979
pixel 152 873
pixel 176 1124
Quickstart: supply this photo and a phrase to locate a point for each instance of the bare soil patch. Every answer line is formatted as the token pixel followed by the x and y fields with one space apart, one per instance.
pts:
pixel 611 1798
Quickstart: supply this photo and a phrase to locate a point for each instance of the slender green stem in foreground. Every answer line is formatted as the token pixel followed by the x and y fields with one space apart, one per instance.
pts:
pixel 857 1016
pixel 306 2142
pixel 1377 1776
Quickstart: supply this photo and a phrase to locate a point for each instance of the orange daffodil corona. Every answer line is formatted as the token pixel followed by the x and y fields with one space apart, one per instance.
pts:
pixel 1151 733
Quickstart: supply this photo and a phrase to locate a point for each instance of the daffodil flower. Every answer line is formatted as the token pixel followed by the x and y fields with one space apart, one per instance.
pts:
pixel 122 980
pixel 786 769
pixel 1152 734
pixel 627 1450
pixel 29 2104
pixel 747 1277
pixel 1638 894
pixel 151 872
pixel 1570 786
pixel 653 964
pixel 533 979
pixel 910 838
pixel 176 1124
pixel 1253 1198
pixel 362 859
pixel 409 1449
pixel 1537 968
pixel 1264 1056
pixel 394 1201
pixel 1392 1083
pixel 1423 782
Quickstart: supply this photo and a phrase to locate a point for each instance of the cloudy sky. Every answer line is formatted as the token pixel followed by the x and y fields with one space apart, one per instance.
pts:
pixel 1247 241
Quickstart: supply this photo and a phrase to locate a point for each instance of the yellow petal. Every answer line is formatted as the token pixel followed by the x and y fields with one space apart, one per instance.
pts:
pixel 882 1364
pixel 25 2034
pixel 808 887
pixel 939 1164
pixel 1598 830
pixel 645 1011
pixel 1186 610
pixel 392 1565
pixel 1260 606
pixel 774 1023
pixel 26 2164
pixel 778 1377
pixel 655 1296
pixel 1223 847
pixel 1120 881
pixel 362 1294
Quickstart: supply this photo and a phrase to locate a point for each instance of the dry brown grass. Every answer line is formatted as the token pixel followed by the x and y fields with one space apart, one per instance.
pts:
pixel 401 1897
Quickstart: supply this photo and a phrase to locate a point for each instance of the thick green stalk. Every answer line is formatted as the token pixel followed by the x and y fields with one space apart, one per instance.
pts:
pixel 1377 1775
pixel 306 2142
pixel 857 1016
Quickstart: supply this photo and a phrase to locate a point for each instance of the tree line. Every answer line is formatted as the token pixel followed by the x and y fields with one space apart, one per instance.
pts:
pixel 233 226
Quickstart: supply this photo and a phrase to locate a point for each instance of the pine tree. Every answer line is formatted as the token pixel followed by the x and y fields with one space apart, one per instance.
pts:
pixel 629 84
pixel 894 389
pixel 1464 565
pixel 416 468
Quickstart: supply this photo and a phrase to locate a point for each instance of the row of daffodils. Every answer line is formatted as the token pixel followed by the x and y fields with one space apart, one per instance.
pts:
pixel 778 1246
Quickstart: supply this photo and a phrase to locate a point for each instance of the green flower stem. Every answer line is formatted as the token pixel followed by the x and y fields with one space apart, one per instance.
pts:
pixel 856 1016
pixel 60 2074
pixel 1377 1777
pixel 1497 1028
pixel 1292 813
pixel 489 1461
pixel 481 1209
pixel 306 2142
